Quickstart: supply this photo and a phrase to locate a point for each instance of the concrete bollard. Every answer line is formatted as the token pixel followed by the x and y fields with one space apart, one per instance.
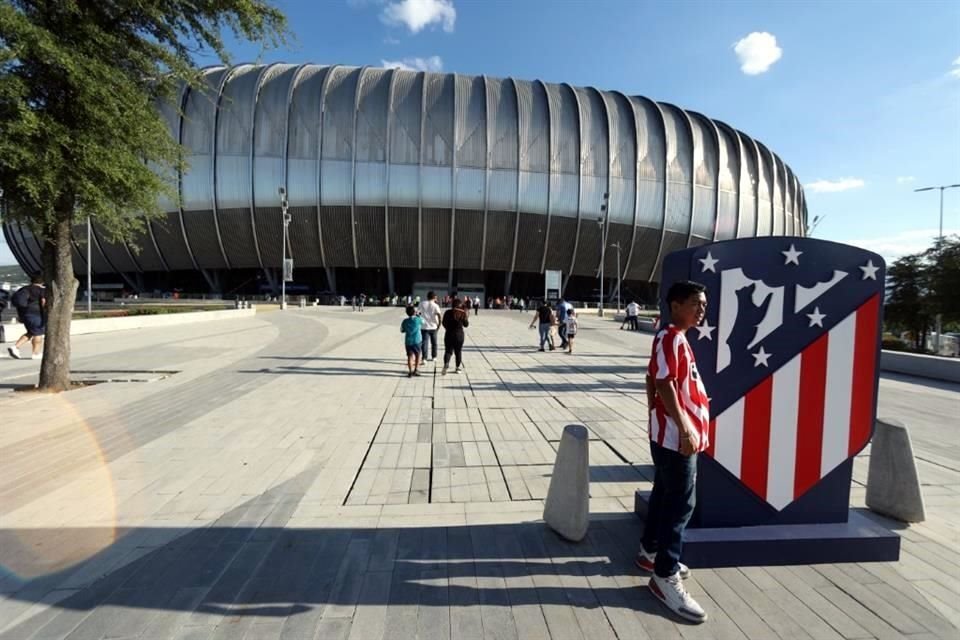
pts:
pixel 567 509
pixel 893 485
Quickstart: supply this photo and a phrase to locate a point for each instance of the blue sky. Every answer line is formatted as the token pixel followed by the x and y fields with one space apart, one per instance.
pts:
pixel 863 101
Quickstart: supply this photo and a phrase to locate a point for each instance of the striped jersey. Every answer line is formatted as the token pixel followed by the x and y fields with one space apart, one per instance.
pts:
pixel 673 360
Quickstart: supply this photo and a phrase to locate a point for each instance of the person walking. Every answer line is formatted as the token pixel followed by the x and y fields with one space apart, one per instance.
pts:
pixel 31 305
pixel 572 326
pixel 633 310
pixel 430 314
pixel 454 321
pixel 546 318
pixel 562 321
pixel 679 430
pixel 412 337
pixel 363 301
pixel 476 305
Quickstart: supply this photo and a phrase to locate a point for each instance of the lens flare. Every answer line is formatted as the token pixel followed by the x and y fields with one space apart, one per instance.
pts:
pixel 73 517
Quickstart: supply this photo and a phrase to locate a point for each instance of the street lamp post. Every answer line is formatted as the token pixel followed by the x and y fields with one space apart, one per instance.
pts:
pixel 89 273
pixel 939 316
pixel 283 264
pixel 603 247
pixel 816 222
pixel 616 245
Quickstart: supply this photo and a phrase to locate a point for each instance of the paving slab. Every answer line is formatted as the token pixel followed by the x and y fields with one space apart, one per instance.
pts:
pixel 279 476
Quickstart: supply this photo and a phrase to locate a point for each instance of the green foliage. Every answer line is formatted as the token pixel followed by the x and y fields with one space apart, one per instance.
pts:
pixel 922 285
pixel 79 80
pixel 943 277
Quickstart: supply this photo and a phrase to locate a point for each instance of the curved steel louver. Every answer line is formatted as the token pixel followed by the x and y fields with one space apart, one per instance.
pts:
pixel 400 169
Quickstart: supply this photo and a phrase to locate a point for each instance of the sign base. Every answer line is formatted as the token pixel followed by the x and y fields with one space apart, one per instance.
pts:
pixel 859 539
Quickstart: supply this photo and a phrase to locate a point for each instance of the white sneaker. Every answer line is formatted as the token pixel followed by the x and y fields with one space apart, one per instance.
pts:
pixel 37 356
pixel 670 592
pixel 645 562
pixel 14 352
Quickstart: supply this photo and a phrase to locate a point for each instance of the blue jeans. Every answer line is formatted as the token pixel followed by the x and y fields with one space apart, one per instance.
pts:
pixel 671 505
pixel 545 336
pixel 429 337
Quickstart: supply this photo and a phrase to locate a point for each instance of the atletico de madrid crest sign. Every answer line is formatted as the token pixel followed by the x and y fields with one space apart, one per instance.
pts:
pixel 789 354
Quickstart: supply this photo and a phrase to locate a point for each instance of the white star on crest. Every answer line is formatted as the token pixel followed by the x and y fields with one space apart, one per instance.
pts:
pixel 791 255
pixel 869 271
pixel 705 331
pixel 760 358
pixel 816 318
pixel 708 263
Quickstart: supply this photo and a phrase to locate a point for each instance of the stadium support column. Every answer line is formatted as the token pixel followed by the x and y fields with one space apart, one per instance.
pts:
pixel 391 289
pixel 212 276
pixel 331 279
pixel 508 280
pixel 271 277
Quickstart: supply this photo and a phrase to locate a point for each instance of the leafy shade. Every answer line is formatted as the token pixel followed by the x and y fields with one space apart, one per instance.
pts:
pixel 79 83
pixel 80 134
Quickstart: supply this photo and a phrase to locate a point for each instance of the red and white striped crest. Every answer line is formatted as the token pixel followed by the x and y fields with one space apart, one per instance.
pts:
pixel 807 417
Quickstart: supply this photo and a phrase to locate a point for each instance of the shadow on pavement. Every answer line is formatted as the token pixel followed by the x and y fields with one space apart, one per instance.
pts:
pixel 237 575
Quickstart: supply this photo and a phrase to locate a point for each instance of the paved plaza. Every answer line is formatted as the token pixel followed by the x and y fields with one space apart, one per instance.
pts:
pixel 280 477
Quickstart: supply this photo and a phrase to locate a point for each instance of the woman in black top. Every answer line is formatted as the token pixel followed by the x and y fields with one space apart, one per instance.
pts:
pixel 454 321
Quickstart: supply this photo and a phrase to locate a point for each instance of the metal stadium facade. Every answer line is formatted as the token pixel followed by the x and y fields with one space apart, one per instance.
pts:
pixel 397 177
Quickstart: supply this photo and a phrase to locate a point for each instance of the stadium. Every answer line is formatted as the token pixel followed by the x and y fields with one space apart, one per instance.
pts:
pixel 398 181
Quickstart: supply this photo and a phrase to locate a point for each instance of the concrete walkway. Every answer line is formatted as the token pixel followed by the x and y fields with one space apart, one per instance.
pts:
pixel 281 477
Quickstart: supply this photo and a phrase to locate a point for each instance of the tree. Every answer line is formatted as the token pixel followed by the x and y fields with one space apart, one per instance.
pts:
pixel 943 277
pixel 907 297
pixel 922 285
pixel 80 134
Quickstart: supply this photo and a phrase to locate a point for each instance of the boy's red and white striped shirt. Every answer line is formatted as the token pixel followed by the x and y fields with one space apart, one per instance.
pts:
pixel 673 359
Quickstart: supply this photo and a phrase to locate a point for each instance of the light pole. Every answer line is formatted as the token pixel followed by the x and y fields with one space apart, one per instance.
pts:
pixel 816 222
pixel 283 265
pixel 616 245
pixel 603 247
pixel 939 317
pixel 89 273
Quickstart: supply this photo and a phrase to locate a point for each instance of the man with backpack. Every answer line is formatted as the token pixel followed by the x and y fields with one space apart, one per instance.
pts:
pixel 31 305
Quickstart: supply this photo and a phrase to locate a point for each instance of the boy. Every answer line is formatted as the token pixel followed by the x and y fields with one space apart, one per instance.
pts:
pixel 679 429
pixel 31 304
pixel 411 328
pixel 572 325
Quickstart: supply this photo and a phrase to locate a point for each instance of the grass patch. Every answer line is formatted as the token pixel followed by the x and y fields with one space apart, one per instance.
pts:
pixel 152 310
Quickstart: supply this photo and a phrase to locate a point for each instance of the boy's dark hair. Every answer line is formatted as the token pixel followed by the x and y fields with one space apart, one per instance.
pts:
pixel 431 295
pixel 36 278
pixel 682 290
pixel 410 310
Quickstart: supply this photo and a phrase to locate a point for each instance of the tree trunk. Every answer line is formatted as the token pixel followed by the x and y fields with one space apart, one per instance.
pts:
pixel 61 296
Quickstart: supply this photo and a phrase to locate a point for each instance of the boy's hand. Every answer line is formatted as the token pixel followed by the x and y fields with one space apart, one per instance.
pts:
pixel 686 445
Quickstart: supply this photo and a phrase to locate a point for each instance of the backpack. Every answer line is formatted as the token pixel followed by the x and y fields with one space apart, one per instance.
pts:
pixel 21 299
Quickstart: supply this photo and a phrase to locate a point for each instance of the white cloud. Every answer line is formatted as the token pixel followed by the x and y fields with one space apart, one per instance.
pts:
pixel 757 52
pixel 955 70
pixel 833 186
pixel 906 242
pixel 418 14
pixel 905 179
pixel 433 63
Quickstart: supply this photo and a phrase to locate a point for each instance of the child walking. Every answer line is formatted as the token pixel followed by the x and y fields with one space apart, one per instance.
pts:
pixel 411 328
pixel 572 325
